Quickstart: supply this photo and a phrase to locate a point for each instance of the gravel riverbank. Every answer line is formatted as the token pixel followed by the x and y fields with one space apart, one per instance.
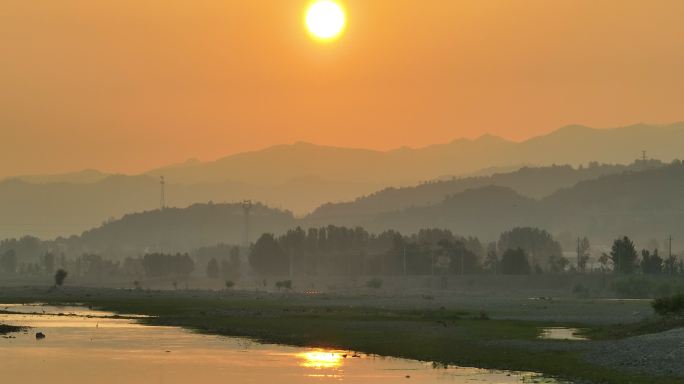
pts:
pixel 656 354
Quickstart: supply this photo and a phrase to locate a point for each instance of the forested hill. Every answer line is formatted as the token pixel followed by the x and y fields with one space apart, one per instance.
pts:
pixel 649 204
pixel 642 204
pixel 484 212
pixel 177 230
pixel 536 182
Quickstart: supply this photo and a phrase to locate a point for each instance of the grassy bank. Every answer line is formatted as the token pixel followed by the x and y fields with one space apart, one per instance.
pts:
pixel 5 329
pixel 445 335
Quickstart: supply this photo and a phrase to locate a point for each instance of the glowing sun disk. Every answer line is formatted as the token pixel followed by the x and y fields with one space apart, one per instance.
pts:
pixel 325 19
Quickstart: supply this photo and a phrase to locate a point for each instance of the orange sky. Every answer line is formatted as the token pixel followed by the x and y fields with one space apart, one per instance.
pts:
pixel 125 85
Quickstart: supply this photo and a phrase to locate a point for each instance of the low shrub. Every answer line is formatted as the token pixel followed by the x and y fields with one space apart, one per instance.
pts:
pixel 671 305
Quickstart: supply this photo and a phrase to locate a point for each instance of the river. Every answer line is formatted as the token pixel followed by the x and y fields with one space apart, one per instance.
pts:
pixel 88 346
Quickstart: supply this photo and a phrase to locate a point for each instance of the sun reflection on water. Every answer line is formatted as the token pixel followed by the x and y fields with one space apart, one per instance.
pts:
pixel 321 359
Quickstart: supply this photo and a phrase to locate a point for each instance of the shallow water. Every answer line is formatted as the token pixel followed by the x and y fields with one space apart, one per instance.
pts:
pixel 87 346
pixel 561 333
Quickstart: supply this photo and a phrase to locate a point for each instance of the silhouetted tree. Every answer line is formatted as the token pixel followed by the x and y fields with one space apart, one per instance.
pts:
pixel 60 275
pixel 94 265
pixel 461 260
pixel 670 265
pixel 537 243
pixel 514 262
pixel 557 263
pixel 651 263
pixel 583 254
pixel 267 258
pixel 624 256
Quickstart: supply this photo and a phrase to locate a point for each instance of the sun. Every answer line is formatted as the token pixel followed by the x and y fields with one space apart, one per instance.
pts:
pixel 325 20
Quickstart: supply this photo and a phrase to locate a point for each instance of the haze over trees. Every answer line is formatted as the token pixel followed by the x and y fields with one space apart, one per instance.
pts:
pixel 8 261
pixel 644 200
pixel 651 199
pixel 168 265
pixel 343 251
pixel 353 252
pixel 538 245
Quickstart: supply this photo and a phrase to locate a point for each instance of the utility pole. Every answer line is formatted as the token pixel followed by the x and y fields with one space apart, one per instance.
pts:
pixel 404 260
pixel 578 255
pixel 643 156
pixel 162 197
pixel 672 267
pixel 246 207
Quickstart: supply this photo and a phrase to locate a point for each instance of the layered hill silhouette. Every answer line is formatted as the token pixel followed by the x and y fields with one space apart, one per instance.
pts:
pixel 536 182
pixel 644 205
pixel 48 210
pixel 573 145
pixel 301 177
pixel 179 230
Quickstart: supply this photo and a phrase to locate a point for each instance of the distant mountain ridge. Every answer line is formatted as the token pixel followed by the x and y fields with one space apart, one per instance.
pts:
pixel 302 177
pixel 573 145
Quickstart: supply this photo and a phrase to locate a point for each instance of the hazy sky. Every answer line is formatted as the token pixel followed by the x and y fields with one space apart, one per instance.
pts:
pixel 124 85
